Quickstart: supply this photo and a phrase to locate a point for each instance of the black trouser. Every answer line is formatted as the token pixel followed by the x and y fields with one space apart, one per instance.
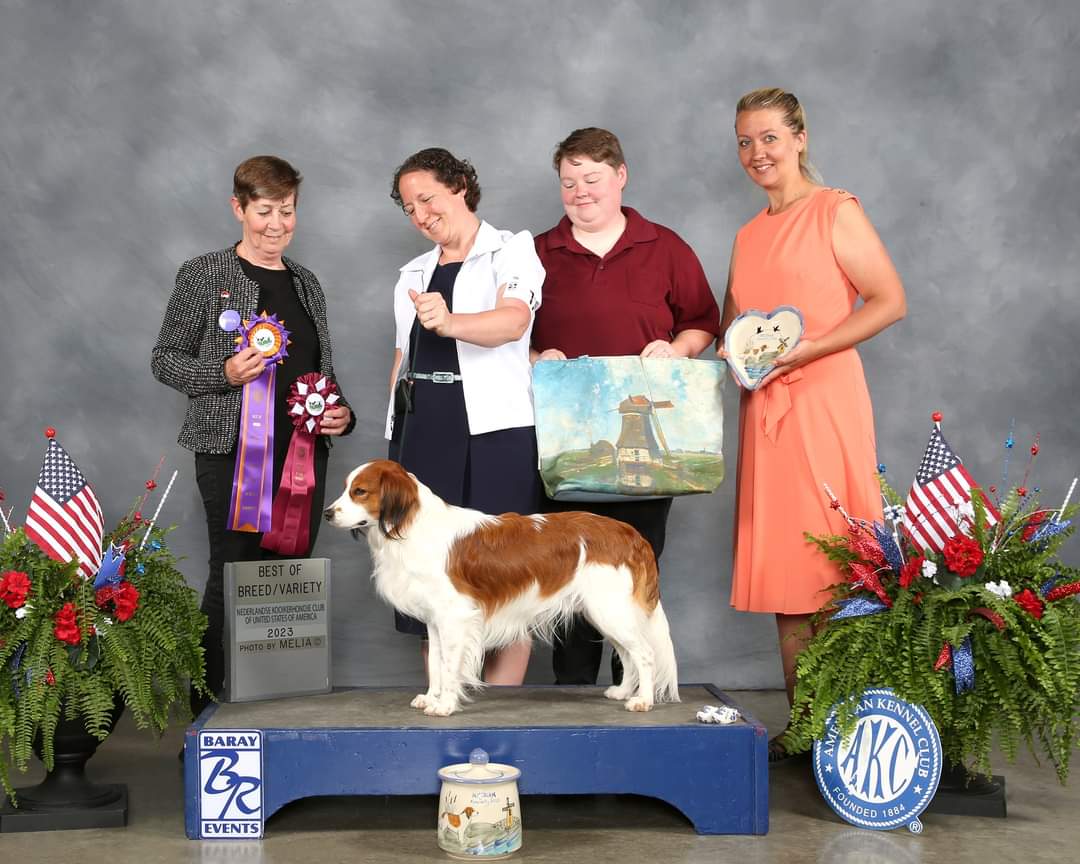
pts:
pixel 579 648
pixel 214 474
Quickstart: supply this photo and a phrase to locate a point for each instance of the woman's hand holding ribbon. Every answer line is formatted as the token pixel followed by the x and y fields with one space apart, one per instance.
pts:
pixel 244 366
pixel 335 420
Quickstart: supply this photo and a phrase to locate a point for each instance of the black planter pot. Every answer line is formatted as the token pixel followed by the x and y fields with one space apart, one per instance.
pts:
pixel 66 798
pixel 963 793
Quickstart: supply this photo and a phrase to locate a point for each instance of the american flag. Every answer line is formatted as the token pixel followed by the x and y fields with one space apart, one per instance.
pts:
pixel 65 517
pixel 942 485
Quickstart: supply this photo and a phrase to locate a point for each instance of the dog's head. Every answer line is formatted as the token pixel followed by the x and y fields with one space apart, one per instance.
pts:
pixel 379 492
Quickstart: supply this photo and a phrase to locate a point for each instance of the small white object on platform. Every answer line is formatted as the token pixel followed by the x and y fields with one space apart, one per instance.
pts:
pixel 722 714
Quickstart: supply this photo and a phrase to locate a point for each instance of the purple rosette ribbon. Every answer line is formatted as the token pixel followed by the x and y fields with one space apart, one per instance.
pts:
pixel 251 500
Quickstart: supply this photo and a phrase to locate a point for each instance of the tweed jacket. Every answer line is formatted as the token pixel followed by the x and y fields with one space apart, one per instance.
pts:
pixel 192 348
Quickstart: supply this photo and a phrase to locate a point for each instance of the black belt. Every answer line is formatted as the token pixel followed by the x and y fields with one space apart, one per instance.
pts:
pixel 434 377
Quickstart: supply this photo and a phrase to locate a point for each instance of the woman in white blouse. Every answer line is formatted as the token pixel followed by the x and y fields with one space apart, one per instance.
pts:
pixel 460 415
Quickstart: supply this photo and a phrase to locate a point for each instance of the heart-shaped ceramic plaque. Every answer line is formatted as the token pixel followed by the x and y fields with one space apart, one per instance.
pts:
pixel 755 339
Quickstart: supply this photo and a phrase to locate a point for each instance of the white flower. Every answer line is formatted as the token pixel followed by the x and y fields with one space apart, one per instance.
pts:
pixel 929 569
pixel 967 510
pixel 1001 589
pixel 22 612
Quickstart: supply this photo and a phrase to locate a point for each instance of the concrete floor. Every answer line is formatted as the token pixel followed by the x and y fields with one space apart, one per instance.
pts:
pixel 620 829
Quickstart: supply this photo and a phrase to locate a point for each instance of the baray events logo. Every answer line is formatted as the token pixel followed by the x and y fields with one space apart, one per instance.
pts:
pixel 885 773
pixel 230 784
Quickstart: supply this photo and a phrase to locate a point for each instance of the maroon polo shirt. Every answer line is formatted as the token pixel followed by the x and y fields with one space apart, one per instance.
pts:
pixel 649 286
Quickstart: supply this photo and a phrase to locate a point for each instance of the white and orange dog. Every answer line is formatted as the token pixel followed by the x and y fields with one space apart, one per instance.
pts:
pixel 482 582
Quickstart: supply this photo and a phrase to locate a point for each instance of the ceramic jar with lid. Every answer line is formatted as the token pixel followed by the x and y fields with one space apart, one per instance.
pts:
pixel 479 809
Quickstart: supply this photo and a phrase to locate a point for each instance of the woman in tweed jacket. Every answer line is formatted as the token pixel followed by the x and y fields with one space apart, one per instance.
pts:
pixel 196 354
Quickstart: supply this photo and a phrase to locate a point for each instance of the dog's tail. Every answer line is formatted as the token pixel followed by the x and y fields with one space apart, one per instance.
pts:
pixel 667 672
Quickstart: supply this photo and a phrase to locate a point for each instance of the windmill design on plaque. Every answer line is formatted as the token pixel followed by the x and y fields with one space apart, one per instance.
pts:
pixel 639 447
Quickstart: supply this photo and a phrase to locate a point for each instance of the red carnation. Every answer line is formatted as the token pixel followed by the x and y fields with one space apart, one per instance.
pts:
pixel 911 571
pixel 14 586
pixel 50 678
pixel 1034 522
pixel 126 598
pixel 962 555
pixel 1029 602
pixel 66 627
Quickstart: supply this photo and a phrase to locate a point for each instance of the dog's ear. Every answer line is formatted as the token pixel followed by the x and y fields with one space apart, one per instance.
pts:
pixel 397 502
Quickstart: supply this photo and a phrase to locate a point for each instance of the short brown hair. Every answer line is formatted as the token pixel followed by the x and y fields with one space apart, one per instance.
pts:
pixel 455 174
pixel 794 117
pixel 593 143
pixel 265 177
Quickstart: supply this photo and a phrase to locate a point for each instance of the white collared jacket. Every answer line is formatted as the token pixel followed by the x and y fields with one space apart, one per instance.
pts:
pixel 497 381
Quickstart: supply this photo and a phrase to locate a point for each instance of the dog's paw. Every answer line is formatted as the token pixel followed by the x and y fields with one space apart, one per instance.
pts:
pixel 440 709
pixel 422 701
pixel 639 703
pixel 616 692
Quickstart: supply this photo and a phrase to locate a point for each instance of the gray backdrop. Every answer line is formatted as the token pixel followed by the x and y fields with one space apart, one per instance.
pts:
pixel 121 123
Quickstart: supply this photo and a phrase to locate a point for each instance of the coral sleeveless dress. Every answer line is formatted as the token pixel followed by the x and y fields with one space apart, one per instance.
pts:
pixel 810 427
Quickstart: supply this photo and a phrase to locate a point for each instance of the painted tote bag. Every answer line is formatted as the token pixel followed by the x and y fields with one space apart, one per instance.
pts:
pixel 620 428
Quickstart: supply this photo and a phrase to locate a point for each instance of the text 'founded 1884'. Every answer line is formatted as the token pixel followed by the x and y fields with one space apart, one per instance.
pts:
pixel 885 773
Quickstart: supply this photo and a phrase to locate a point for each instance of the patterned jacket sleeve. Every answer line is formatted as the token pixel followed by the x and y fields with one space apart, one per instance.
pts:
pixel 176 359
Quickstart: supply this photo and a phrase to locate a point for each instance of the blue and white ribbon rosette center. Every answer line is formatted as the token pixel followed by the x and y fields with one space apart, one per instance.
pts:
pixel 885 773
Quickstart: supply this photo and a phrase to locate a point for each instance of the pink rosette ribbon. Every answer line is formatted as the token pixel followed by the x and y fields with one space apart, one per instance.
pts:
pixel 309 397
pixel 253 477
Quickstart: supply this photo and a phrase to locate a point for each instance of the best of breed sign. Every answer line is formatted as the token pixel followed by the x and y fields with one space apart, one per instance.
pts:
pixel 277 628
pixel 885 773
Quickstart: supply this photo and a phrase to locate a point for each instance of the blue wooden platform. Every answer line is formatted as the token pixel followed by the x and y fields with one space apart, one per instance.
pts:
pixel 565 740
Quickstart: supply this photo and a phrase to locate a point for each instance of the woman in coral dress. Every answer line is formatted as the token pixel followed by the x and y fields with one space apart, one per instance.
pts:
pixel 810 421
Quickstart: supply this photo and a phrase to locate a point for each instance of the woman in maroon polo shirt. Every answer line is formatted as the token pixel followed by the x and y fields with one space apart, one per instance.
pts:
pixel 617 284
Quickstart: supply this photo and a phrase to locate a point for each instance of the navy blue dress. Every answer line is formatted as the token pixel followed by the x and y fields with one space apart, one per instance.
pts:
pixel 495 472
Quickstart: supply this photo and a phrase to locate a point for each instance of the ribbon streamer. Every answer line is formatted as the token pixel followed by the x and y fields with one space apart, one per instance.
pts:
pixel 889 547
pixel 1062 591
pixel 290 532
pixel 856 607
pixel 964 666
pixel 253 477
pixel 990 615
pixel 111 572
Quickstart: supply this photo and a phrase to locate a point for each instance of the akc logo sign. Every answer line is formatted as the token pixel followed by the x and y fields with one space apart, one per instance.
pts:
pixel 887 771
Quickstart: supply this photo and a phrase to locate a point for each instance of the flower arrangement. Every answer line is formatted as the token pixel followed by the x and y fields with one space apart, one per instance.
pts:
pixel 73 645
pixel 982 629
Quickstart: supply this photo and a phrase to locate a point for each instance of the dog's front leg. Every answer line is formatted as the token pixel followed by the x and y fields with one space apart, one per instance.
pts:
pixel 434 671
pixel 451 652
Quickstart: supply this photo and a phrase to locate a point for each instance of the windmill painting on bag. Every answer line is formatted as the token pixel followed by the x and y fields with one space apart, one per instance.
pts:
pixel 616 427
